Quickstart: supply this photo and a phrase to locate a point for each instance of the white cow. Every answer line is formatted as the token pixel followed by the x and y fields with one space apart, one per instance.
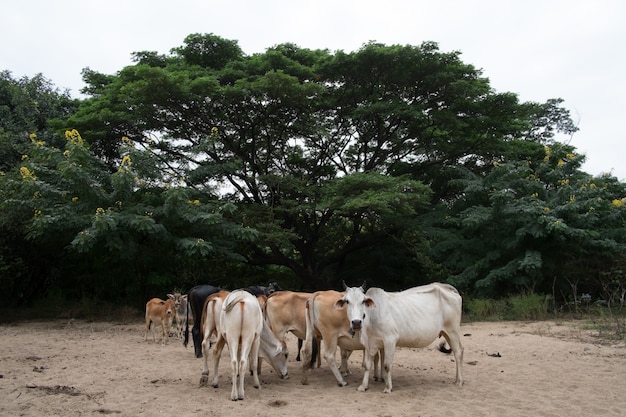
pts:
pixel 242 327
pixel 410 318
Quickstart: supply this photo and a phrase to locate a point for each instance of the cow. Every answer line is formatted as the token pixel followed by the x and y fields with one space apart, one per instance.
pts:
pixel 196 298
pixel 241 326
pixel 331 324
pixel 161 313
pixel 181 304
pixel 210 326
pixel 285 312
pixel 258 290
pixel 411 318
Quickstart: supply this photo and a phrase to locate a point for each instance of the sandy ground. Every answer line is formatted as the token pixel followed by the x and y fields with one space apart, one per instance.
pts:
pixel 77 368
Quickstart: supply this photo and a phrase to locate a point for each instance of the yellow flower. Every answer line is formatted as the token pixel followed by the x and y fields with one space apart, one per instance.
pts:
pixel 214 131
pixel 125 139
pixel 548 152
pixel 32 136
pixel 125 165
pixel 36 194
pixel 73 136
pixel 572 198
pixel 618 203
pixel 546 209
pixel 560 162
pixel 24 157
pixel 66 153
pixel 99 211
pixel 27 174
pixel 126 160
pixel 194 202
pixel 74 199
pixel 534 195
pixel 37 212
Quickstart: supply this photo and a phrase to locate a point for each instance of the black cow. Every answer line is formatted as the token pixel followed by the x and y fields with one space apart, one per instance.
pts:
pixel 257 290
pixel 196 298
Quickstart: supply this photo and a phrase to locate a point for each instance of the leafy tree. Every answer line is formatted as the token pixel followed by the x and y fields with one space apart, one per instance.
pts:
pixel 120 234
pixel 536 225
pixel 328 155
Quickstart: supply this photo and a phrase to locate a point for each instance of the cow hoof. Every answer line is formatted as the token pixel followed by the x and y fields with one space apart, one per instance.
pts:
pixel 342 383
pixel 215 385
pixel 387 391
pixel 361 388
pixel 305 381
pixel 204 380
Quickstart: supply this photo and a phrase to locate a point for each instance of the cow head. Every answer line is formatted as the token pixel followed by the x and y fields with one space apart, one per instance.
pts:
pixel 355 302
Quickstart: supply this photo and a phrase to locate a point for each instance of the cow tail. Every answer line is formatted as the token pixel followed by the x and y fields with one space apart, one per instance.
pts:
pixel 186 340
pixel 444 349
pixel 310 334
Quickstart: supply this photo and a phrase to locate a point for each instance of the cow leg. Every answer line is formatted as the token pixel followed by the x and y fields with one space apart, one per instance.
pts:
pixel 165 326
pixel 204 379
pixel 330 350
pixel 378 359
pixel 197 340
pixel 345 355
pixel 387 358
pixel 454 340
pixel 255 362
pixel 217 353
pixel 299 349
pixel 235 376
pixel 367 364
pixel 145 335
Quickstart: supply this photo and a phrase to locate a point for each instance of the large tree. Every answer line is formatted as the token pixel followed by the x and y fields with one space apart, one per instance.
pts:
pixel 327 155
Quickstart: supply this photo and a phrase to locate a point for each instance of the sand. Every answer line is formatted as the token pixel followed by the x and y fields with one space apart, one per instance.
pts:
pixel 79 368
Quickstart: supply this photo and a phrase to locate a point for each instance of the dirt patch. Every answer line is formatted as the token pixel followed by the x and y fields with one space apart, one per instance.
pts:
pixel 77 368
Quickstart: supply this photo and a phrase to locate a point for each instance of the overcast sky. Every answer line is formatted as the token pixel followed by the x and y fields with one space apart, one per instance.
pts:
pixel 538 49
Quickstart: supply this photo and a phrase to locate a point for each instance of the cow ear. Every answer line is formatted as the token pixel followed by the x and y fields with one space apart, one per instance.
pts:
pixel 368 302
pixel 184 297
pixel 340 304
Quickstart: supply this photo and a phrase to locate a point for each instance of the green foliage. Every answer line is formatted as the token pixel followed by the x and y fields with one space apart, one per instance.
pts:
pixel 517 307
pixel 535 225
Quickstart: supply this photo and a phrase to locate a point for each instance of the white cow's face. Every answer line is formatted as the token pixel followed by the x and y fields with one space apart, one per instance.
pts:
pixel 356 303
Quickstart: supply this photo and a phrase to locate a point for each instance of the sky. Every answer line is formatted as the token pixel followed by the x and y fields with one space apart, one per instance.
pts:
pixel 537 49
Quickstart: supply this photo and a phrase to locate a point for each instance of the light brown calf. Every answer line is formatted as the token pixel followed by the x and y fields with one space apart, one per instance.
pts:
pixel 160 313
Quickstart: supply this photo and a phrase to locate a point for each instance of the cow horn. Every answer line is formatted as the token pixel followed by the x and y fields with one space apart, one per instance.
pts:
pixel 363 286
pixel 345 287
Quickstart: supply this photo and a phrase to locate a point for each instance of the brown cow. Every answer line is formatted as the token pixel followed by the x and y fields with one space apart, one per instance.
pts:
pixel 332 325
pixel 285 311
pixel 160 313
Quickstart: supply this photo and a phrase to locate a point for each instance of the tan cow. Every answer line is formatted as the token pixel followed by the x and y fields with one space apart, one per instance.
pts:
pixel 161 313
pixel 332 325
pixel 285 312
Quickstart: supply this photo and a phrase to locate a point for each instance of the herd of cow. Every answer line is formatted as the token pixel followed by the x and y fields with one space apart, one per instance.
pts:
pixel 254 323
